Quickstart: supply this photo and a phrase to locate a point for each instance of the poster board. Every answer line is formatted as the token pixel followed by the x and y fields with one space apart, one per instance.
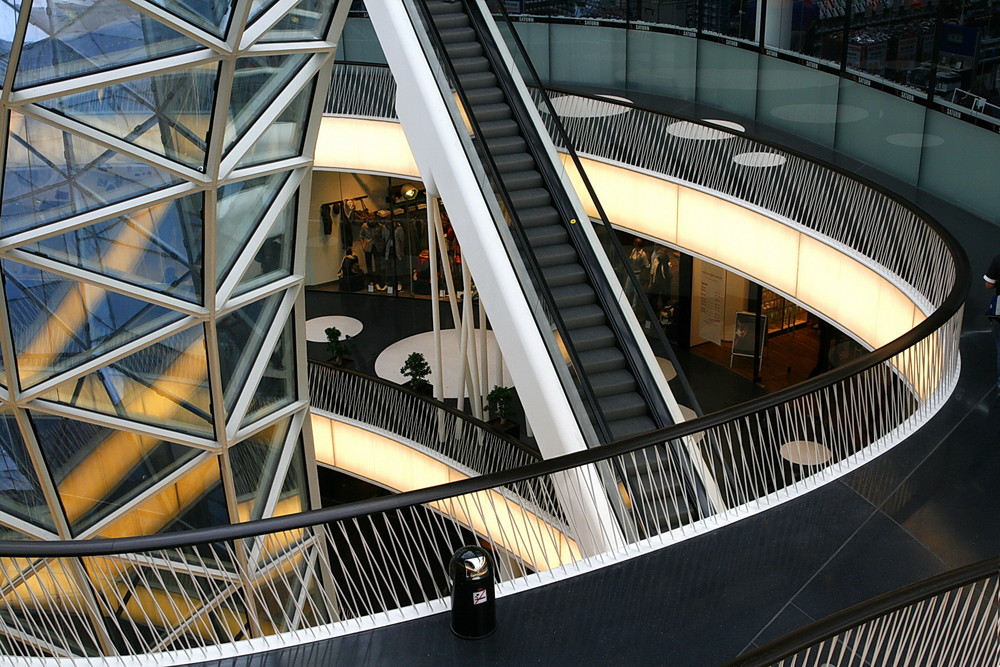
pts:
pixel 749 336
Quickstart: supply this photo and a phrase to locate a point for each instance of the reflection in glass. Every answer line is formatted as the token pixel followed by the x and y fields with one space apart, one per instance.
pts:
pixel 240 336
pixel 309 19
pixel 58 323
pixel 241 207
pixel 277 386
pixel 210 15
pixel 20 493
pixel 257 81
pixel 283 139
pixel 168 113
pixel 67 38
pixel 8 21
pixel 98 470
pixel 274 259
pixel 164 385
pixel 51 174
pixel 159 248
pixel 254 462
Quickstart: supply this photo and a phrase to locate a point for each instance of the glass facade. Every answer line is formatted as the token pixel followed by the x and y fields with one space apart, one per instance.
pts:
pixel 149 360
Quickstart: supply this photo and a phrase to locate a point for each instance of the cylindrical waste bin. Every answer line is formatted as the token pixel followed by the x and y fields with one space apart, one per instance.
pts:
pixel 473 607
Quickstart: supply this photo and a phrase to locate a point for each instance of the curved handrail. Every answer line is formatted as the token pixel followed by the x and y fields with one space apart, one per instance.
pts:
pixel 950 306
pixel 870 610
pixel 428 401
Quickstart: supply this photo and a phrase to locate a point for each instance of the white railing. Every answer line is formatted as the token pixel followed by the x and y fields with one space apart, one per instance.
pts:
pixel 386 407
pixel 950 619
pixel 266 583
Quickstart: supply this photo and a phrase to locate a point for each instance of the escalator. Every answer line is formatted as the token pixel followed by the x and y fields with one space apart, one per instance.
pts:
pixel 597 334
pixel 623 408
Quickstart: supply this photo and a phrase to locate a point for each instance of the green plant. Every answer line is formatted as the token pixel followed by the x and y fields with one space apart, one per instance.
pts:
pixel 335 346
pixel 416 369
pixel 499 401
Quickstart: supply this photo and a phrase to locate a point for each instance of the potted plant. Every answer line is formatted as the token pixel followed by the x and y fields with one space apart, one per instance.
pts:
pixel 335 346
pixel 416 369
pixel 499 402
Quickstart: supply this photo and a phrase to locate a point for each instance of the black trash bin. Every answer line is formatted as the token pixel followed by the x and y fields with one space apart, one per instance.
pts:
pixel 473 606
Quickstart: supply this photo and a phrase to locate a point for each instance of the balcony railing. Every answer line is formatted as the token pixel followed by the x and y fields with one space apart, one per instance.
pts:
pixel 305 576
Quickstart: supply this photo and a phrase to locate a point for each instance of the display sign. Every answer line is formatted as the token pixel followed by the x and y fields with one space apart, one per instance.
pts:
pixel 749 335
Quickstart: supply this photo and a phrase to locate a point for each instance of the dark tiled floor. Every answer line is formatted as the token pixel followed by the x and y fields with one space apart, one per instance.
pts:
pixel 929 505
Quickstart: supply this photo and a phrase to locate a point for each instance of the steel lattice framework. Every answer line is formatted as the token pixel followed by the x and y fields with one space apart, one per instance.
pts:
pixel 155 160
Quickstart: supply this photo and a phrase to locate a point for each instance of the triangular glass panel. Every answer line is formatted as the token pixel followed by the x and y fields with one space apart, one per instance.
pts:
pixel 240 209
pixel 164 384
pixel 277 386
pixel 292 499
pixel 52 174
pixel 98 470
pixel 159 248
pixel 258 7
pixel 168 113
pixel 308 20
pixel 257 82
pixel 254 462
pixel 20 493
pixel 240 335
pixel 68 38
pixel 210 15
pixel 8 22
pixel 274 259
pixel 196 500
pixel 283 138
pixel 58 323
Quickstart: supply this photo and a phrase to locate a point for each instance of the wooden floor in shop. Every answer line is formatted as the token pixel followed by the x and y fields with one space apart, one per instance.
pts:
pixel 789 357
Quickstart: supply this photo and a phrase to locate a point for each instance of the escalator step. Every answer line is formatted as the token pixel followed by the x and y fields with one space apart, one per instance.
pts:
pixel 566 274
pixel 488 112
pixel 553 255
pixel 592 338
pixel 548 235
pixel 464 49
pixel 514 161
pixel 609 359
pixel 624 406
pixel 506 145
pixel 500 128
pixel 537 217
pixel 468 65
pixel 449 20
pixel 458 36
pixel 442 7
pixel 575 295
pixel 582 317
pixel 523 180
pixel 612 382
pixel 623 428
pixel 479 96
pixel 531 198
pixel 479 80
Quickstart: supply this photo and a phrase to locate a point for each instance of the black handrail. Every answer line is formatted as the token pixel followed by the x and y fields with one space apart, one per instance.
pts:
pixel 950 306
pixel 842 621
pixel 433 402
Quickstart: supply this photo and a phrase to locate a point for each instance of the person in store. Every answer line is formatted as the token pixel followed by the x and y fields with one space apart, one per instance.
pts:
pixel 992 281
pixel 638 261
pixel 352 278
pixel 659 279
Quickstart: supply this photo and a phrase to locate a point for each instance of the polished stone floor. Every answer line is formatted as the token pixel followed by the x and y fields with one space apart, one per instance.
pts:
pixel 929 505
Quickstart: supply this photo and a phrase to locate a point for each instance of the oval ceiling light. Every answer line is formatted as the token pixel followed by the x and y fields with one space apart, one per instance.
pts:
pixel 687 130
pixel 759 159
pixel 574 106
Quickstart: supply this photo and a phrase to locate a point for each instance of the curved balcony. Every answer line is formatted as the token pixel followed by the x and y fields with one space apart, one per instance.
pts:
pixel 263 584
